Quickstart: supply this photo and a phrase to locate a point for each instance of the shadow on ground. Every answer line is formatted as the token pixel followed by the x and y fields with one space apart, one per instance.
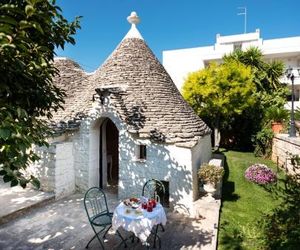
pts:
pixel 64 225
pixel 228 187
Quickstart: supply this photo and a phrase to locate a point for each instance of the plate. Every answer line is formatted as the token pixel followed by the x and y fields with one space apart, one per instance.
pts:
pixel 132 202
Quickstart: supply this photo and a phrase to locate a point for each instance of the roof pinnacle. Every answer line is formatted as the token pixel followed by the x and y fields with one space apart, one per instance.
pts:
pixel 133 18
pixel 133 32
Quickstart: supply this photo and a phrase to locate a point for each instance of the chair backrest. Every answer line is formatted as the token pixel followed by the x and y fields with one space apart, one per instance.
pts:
pixel 153 189
pixel 95 202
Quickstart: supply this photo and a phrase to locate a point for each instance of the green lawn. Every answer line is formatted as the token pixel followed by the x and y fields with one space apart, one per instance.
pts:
pixel 243 203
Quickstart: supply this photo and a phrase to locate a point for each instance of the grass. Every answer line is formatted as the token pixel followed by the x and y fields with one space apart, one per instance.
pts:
pixel 243 203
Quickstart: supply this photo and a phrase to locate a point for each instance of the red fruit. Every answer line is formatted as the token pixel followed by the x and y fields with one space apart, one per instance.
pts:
pixel 153 203
pixel 144 205
pixel 149 207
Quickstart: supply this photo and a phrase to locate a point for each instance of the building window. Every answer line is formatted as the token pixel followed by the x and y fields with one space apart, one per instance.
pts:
pixel 237 46
pixel 141 152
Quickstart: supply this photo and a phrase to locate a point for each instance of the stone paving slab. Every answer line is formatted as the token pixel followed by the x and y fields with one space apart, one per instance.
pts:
pixel 15 201
pixel 63 225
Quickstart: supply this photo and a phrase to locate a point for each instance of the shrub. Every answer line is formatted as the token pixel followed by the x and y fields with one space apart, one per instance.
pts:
pixel 260 174
pixel 263 142
pixel 275 114
pixel 281 226
pixel 210 173
pixel 297 114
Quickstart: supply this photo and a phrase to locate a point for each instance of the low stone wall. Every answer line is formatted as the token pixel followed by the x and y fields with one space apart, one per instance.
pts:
pixel 282 146
pixel 217 160
pixel 207 209
pixel 64 170
pixel 44 169
pixel 55 169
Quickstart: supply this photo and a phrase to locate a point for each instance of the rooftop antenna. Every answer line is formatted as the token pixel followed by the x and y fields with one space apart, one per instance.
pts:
pixel 243 11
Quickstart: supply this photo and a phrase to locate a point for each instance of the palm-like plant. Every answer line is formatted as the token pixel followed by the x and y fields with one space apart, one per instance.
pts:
pixel 275 114
pixel 274 71
pixel 266 75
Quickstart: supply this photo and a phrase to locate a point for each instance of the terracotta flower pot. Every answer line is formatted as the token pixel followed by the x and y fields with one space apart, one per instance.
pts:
pixel 277 127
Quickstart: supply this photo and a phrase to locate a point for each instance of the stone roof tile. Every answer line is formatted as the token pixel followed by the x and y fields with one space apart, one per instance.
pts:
pixel 150 102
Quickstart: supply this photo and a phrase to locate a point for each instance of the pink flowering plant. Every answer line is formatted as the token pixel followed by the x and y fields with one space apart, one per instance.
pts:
pixel 260 174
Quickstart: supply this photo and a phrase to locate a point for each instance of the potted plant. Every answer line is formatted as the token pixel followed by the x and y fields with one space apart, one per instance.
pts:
pixel 210 176
pixel 277 116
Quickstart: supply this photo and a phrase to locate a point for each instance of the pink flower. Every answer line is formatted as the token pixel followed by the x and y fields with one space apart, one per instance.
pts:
pixel 260 174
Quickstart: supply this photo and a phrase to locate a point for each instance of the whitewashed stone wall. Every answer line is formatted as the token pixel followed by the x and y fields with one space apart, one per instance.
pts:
pixel 167 163
pixel 55 169
pixel 201 153
pixel 164 162
pixel 282 145
pixel 64 170
pixel 73 163
pixel 81 157
pixel 44 169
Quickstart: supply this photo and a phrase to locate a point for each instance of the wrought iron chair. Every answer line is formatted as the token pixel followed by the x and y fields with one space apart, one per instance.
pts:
pixel 154 189
pixel 95 205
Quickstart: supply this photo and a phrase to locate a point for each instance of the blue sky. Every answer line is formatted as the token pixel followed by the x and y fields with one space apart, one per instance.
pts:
pixel 172 24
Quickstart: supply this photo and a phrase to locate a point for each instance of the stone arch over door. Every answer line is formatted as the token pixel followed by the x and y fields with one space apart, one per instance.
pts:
pixel 97 171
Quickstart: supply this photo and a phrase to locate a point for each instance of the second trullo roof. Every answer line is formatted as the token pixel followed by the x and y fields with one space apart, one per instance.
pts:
pixel 142 93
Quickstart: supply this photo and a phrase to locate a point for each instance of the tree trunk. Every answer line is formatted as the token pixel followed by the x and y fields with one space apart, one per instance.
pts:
pixel 217 134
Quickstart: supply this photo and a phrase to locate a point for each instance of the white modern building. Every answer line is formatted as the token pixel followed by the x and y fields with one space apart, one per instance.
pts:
pixel 180 62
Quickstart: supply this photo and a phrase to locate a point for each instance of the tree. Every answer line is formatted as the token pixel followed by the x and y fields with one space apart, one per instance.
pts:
pixel 266 75
pixel 270 93
pixel 220 92
pixel 30 30
pixel 244 119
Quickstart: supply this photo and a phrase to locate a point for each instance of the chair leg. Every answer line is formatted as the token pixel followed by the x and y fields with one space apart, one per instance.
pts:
pixel 87 246
pixel 159 242
pixel 106 231
pixel 155 235
pixel 125 245
pixel 96 235
pixel 162 227
pixel 132 237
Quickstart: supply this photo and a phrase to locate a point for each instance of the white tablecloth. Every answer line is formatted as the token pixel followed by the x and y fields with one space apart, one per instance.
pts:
pixel 139 224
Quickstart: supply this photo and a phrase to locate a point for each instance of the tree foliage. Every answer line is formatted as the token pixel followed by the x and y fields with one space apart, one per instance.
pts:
pixel 270 93
pixel 241 118
pixel 30 30
pixel 266 75
pixel 220 92
pixel 220 89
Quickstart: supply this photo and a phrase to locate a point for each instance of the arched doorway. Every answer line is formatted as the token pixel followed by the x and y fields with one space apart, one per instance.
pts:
pixel 109 155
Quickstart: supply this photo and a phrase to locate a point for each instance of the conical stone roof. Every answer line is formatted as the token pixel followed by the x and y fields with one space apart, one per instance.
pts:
pixel 143 95
pixel 73 80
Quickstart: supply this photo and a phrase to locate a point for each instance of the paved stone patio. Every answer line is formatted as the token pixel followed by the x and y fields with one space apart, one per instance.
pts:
pixel 17 201
pixel 63 224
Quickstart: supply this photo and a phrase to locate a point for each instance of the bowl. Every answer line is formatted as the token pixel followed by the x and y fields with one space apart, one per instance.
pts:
pixel 135 205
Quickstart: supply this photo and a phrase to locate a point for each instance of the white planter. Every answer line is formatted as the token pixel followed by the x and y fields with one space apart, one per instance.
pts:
pixel 210 189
